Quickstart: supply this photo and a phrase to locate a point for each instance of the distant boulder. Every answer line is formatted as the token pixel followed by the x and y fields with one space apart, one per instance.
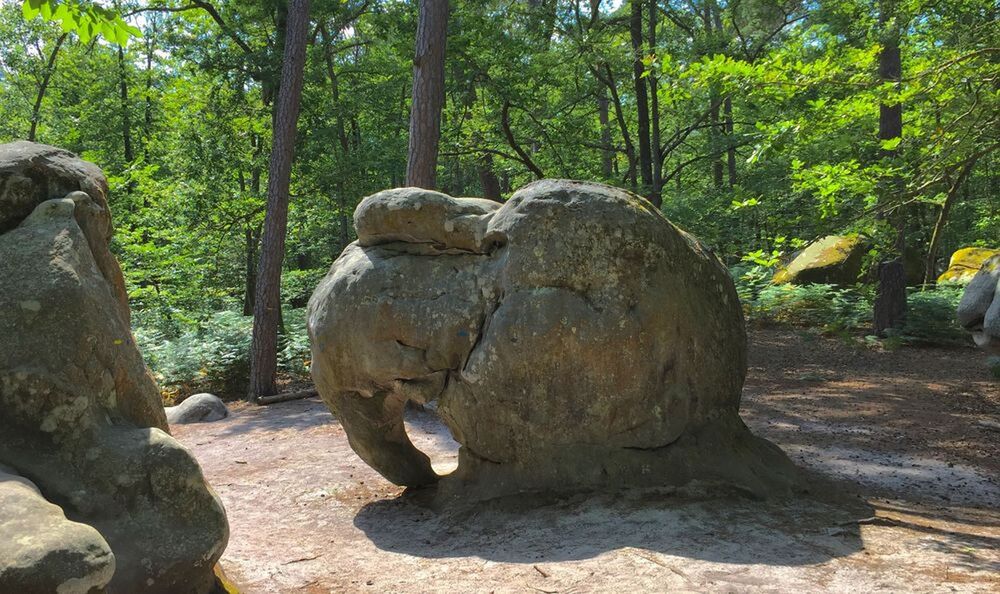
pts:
pixel 834 259
pixel 199 408
pixel 979 309
pixel 965 263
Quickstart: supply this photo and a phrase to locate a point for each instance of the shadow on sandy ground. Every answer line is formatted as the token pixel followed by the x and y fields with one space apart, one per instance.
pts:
pixel 728 529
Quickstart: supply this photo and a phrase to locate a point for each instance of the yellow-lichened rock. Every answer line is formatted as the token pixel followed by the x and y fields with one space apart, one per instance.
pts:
pixel 965 263
pixel 834 259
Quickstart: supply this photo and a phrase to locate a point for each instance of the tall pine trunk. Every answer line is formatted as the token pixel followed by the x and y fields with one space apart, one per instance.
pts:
pixel 890 304
pixel 267 302
pixel 428 94
pixel 656 191
pixel 641 100
pixel 126 111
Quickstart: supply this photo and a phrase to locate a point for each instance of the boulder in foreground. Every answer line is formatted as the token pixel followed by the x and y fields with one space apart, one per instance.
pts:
pixel 107 499
pixel 572 337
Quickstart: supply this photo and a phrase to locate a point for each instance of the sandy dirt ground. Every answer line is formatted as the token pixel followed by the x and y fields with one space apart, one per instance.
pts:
pixel 903 448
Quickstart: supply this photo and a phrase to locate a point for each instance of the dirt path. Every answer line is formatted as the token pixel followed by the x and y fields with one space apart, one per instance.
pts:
pixel 900 431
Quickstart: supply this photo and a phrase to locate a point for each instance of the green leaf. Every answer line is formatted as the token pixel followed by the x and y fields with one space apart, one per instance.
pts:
pixel 891 144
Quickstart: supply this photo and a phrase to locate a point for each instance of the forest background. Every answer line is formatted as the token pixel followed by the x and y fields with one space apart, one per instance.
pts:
pixel 757 125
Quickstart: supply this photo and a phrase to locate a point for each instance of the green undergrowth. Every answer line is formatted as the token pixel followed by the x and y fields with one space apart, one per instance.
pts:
pixel 211 352
pixel 847 311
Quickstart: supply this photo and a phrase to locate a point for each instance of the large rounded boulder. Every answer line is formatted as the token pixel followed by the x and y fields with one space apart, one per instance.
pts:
pixel 572 337
pixel 108 499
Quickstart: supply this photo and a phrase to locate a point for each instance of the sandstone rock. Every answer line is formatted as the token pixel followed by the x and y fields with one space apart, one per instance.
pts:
pixel 965 263
pixel 80 415
pixel 572 337
pixel 41 551
pixel 979 309
pixel 834 259
pixel 198 408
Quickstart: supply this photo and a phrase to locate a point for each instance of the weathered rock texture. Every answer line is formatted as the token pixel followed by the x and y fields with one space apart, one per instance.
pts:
pixel 834 259
pixel 979 309
pixel 573 338
pixel 965 263
pixel 197 408
pixel 82 427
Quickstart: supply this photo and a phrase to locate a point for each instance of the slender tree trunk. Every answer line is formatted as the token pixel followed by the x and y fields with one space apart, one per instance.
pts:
pixel 126 115
pixel 641 99
pixel 252 237
pixel 606 155
pixel 608 79
pixel 930 265
pixel 656 192
pixel 267 305
pixel 488 178
pixel 727 114
pixel 147 120
pixel 512 141
pixel 890 306
pixel 428 94
pixel 50 68
pixel 710 17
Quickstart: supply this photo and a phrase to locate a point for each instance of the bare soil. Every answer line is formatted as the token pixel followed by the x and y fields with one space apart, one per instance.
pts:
pixel 903 446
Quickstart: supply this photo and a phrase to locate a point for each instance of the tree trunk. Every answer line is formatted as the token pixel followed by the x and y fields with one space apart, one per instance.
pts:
pixel 147 120
pixel 930 268
pixel 891 303
pixel 267 310
pixel 606 155
pixel 727 113
pixel 428 94
pixel 126 116
pixel 711 16
pixel 50 67
pixel 656 191
pixel 488 179
pixel 608 79
pixel 641 100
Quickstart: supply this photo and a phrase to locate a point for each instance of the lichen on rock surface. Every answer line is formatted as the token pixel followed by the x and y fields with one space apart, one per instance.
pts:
pixel 834 259
pixel 572 337
pixel 83 435
pixel 965 263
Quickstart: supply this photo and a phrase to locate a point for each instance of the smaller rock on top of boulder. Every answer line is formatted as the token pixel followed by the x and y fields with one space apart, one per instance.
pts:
pixel 199 408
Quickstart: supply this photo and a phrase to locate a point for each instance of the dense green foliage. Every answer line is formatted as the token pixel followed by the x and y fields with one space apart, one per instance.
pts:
pixel 847 310
pixel 765 124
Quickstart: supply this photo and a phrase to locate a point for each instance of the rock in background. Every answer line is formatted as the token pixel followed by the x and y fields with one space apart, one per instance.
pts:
pixel 197 408
pixel 965 263
pixel 572 337
pixel 82 426
pixel 834 259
